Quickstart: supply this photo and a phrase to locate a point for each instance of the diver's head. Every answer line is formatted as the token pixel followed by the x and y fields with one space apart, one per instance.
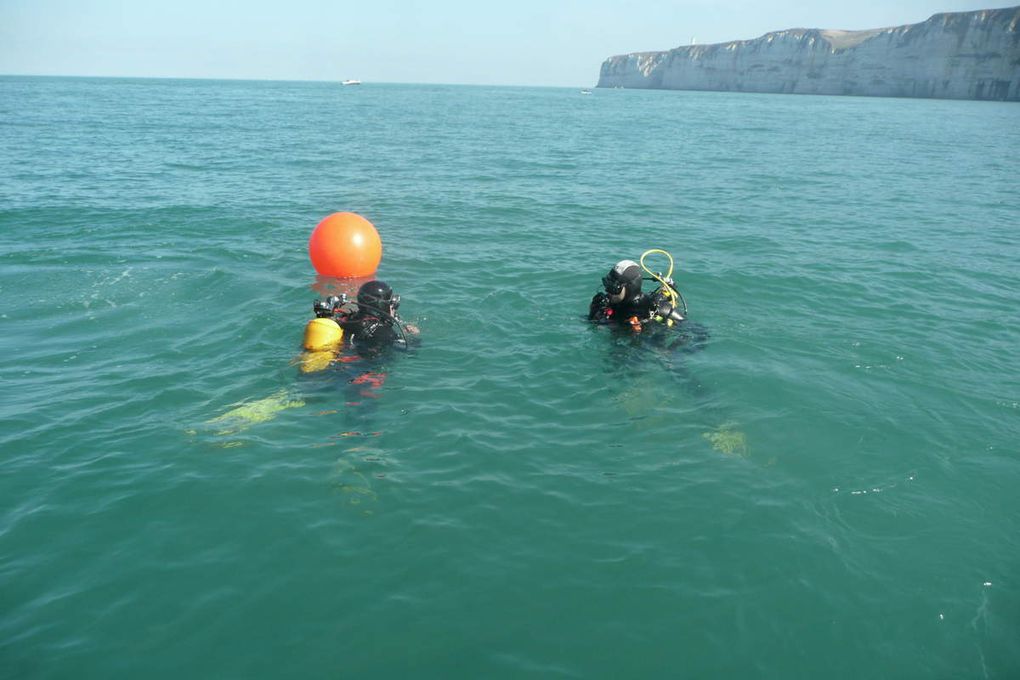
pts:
pixel 378 296
pixel 623 281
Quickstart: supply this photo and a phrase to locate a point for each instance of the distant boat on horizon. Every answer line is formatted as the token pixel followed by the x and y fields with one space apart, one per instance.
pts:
pixel 351 82
pixel 585 91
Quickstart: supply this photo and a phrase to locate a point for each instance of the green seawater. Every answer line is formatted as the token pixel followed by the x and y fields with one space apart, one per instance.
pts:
pixel 827 489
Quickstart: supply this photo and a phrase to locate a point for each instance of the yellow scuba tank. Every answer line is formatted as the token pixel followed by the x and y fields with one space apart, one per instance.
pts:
pixel 322 343
pixel 322 334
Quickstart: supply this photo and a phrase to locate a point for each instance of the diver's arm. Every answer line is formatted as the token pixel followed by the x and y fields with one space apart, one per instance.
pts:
pixel 599 308
pixel 345 315
pixel 409 328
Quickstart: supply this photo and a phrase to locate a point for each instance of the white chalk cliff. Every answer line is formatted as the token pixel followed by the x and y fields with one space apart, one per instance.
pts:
pixel 958 55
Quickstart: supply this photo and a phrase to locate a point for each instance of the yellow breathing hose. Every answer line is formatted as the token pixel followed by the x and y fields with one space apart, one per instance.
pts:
pixel 667 288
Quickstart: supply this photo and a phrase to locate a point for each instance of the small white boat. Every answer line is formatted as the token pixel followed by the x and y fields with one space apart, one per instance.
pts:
pixel 586 91
pixel 351 82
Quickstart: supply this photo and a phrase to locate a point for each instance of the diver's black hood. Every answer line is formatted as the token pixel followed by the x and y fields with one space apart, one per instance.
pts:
pixel 375 294
pixel 626 273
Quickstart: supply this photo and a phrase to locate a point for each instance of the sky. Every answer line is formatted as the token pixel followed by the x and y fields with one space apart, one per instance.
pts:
pixel 519 42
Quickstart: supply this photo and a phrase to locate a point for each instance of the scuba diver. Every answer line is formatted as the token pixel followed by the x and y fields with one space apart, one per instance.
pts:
pixel 622 303
pixel 658 327
pixel 370 324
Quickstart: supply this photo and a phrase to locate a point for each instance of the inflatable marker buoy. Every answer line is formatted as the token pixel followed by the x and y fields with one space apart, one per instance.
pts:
pixel 345 245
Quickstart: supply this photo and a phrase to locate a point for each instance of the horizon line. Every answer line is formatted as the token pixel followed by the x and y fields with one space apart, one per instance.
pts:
pixel 274 80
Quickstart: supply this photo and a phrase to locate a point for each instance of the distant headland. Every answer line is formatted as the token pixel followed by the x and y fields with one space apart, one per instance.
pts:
pixel 957 55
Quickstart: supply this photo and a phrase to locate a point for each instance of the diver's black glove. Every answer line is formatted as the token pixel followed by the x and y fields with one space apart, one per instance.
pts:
pixel 599 305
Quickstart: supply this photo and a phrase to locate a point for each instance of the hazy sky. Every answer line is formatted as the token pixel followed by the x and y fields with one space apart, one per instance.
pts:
pixel 517 42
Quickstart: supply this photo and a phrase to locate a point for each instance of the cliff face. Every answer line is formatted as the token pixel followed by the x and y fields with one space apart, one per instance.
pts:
pixel 960 55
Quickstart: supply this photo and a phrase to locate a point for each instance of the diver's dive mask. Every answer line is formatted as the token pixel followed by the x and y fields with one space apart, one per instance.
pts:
pixel 612 285
pixel 624 276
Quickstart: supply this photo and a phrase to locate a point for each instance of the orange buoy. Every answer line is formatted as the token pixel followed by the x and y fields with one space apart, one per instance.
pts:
pixel 345 245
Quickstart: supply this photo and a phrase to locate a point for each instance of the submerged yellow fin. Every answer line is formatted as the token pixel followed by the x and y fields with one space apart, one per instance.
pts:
pixel 258 411
pixel 727 440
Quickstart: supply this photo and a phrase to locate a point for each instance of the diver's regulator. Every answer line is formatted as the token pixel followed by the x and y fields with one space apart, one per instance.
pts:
pixel 326 309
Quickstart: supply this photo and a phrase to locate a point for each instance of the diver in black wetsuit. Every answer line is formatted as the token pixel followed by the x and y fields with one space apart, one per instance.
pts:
pixel 661 313
pixel 371 324
pixel 624 304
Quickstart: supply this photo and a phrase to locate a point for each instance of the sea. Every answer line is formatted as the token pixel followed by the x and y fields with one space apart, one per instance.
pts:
pixel 824 484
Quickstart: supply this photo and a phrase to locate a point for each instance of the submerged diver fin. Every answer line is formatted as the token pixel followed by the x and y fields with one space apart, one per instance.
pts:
pixel 727 440
pixel 259 411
